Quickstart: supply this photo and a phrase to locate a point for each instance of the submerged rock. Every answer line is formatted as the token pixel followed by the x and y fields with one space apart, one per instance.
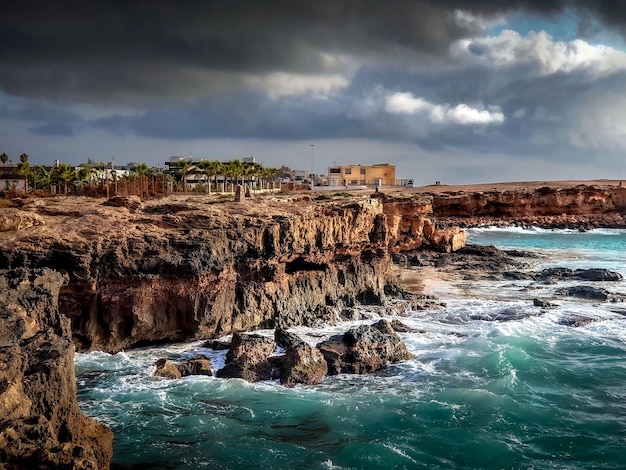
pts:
pixel 365 349
pixel 504 315
pixel 542 303
pixel 576 320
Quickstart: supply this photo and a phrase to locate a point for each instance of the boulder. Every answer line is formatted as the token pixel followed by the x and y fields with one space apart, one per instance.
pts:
pixel 365 349
pixel 593 274
pixel 302 363
pixel 585 292
pixel 542 303
pixel 217 345
pixel 400 327
pixel 576 321
pixel 198 365
pixel 19 220
pixel 132 203
pixel 167 369
pixel 248 358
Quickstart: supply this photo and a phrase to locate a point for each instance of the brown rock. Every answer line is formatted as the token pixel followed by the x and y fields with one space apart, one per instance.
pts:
pixel 132 203
pixel 41 423
pixel 365 349
pixel 248 358
pixel 302 363
pixel 12 219
pixel 167 369
pixel 198 365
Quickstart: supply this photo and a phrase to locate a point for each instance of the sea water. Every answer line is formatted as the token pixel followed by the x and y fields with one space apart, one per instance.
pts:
pixel 527 393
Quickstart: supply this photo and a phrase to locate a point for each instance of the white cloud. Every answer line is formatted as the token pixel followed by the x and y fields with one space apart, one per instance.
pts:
pixel 461 114
pixel 280 84
pixel 539 50
pixel 405 103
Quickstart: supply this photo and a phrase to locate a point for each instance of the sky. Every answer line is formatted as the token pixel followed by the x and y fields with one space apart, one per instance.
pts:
pixel 459 91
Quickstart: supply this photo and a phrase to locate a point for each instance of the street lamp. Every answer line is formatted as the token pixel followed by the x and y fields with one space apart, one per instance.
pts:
pixel 311 175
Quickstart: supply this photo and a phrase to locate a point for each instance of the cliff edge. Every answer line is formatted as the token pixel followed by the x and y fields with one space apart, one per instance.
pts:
pixel 41 425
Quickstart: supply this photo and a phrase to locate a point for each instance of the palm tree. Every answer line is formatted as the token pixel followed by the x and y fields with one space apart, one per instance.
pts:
pixel 23 168
pixel 271 174
pixel 102 175
pixel 42 178
pixel 233 169
pixel 64 173
pixel 209 168
pixel 24 158
pixel 84 178
pixel 140 170
pixel 4 158
pixel 182 168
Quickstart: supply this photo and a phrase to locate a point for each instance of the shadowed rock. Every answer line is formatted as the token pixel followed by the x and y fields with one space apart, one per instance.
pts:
pixel 248 358
pixel 585 292
pixel 365 349
pixel 41 425
pixel 577 321
pixel 302 363
pixel 542 303
pixel 217 345
pixel 593 274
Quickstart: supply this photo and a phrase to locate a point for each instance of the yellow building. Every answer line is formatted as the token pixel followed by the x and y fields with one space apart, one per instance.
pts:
pixel 380 174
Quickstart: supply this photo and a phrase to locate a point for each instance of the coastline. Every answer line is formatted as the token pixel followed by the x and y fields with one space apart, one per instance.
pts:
pixel 318 256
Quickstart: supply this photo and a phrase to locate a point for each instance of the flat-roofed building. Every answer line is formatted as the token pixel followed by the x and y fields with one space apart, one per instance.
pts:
pixel 380 174
pixel 10 180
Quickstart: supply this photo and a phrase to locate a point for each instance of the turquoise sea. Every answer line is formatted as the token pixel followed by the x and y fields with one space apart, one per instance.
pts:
pixel 529 393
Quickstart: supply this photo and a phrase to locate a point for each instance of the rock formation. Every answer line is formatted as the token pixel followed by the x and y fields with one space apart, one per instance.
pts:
pixel 365 349
pixel 580 207
pixel 198 365
pixel 41 425
pixel 302 364
pixel 173 270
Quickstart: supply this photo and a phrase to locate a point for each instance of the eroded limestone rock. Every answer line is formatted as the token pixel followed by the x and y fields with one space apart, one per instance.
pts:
pixel 41 425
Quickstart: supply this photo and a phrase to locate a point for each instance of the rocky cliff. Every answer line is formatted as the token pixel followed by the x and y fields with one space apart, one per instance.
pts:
pixel 41 425
pixel 547 206
pixel 177 269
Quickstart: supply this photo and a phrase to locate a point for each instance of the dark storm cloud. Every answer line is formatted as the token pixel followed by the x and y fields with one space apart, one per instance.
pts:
pixel 105 50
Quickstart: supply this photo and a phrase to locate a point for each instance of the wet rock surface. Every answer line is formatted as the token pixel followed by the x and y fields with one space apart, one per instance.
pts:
pixel 593 274
pixel 248 358
pixel 589 293
pixel 198 365
pixel 364 349
pixel 41 425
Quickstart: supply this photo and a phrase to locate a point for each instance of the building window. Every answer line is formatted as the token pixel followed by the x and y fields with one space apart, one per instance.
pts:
pixel 353 182
pixel 334 170
pixel 362 171
pixel 348 171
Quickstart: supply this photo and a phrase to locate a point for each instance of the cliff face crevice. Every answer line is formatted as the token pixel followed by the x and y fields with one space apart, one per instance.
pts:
pixel 41 425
